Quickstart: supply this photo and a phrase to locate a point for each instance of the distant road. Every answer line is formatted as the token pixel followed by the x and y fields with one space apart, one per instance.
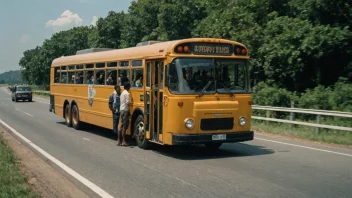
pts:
pixel 264 167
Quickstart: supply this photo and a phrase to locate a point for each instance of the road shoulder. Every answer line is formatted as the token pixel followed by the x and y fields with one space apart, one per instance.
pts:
pixel 42 178
pixel 301 140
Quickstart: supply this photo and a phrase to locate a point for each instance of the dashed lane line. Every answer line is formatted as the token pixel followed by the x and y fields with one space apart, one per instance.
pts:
pixel 100 192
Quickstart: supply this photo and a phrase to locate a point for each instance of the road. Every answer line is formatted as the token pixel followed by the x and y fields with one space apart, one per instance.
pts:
pixel 264 167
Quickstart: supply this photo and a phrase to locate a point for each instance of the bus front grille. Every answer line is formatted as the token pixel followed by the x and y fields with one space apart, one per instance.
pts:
pixel 216 124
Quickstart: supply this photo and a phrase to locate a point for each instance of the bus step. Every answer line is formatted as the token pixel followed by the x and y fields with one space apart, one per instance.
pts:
pixel 157 142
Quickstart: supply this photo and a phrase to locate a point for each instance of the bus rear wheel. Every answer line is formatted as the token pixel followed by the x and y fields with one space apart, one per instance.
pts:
pixel 75 118
pixel 68 115
pixel 213 146
pixel 139 132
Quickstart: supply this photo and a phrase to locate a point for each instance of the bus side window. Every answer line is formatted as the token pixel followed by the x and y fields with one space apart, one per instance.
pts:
pixel 79 77
pixel 89 77
pixel 71 77
pixel 99 77
pixel 148 78
pixel 111 77
pixel 63 75
pixel 124 75
pixel 57 75
pixel 137 78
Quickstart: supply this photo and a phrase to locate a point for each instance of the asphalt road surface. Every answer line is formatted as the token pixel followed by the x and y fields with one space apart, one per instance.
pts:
pixel 264 167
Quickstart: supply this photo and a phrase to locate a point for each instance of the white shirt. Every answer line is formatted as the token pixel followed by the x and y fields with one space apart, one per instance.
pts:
pixel 124 101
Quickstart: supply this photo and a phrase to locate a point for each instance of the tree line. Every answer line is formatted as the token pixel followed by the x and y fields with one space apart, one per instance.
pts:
pixel 295 45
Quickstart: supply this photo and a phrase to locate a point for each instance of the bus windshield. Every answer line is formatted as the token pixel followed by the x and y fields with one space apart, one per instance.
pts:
pixel 208 76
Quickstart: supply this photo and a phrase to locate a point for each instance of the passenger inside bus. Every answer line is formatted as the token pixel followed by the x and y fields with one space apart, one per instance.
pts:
pixel 139 81
pixel 111 79
pixel 184 84
pixel 122 79
pixel 100 79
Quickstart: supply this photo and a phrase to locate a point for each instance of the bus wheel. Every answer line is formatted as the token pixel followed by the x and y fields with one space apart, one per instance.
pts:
pixel 213 146
pixel 68 115
pixel 75 118
pixel 139 132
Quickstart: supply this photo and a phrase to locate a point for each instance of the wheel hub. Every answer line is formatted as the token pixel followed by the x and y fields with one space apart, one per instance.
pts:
pixel 140 130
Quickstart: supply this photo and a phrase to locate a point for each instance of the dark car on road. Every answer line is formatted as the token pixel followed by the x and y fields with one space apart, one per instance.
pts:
pixel 21 92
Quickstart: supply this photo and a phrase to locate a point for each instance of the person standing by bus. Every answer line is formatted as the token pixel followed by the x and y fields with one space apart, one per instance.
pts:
pixel 114 105
pixel 125 113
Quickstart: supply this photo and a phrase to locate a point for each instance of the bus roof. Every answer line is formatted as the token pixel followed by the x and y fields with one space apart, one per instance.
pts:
pixel 160 49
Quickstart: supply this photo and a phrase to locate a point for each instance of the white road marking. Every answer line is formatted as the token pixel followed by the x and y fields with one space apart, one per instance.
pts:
pixel 74 174
pixel 86 139
pixel 28 114
pixel 17 109
pixel 307 147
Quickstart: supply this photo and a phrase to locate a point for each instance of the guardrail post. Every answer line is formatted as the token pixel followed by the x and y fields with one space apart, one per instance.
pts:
pixel 292 116
pixel 267 116
pixel 318 122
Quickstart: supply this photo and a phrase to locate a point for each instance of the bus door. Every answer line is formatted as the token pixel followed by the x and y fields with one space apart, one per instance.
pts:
pixel 153 102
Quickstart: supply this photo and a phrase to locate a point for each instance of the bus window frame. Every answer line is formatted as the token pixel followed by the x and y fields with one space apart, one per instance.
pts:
pixel 62 71
pixel 131 80
pixel 57 70
pixel 106 75
pixel 99 69
pixel 118 74
pixel 210 57
pixel 85 75
pixel 80 70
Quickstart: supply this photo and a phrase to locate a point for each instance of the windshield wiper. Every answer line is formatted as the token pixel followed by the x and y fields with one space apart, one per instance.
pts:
pixel 231 94
pixel 205 88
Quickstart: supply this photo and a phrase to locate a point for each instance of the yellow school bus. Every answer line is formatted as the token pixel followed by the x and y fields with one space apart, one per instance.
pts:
pixel 189 91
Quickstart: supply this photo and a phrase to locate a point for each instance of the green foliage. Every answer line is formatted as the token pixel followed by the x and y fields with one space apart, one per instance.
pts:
pixel 108 31
pixel 12 182
pixel 11 77
pixel 266 95
pixel 294 44
pixel 334 97
pixel 35 64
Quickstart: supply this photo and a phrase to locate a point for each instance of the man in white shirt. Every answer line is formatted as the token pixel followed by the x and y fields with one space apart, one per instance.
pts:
pixel 124 114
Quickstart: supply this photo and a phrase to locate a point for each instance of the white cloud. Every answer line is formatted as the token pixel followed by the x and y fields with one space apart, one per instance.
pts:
pixel 25 38
pixel 94 20
pixel 66 19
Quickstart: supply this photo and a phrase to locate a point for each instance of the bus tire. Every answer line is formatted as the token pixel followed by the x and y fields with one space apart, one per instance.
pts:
pixel 213 146
pixel 139 132
pixel 76 124
pixel 68 115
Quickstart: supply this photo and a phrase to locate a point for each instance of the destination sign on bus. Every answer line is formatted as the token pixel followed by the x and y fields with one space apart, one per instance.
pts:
pixel 212 49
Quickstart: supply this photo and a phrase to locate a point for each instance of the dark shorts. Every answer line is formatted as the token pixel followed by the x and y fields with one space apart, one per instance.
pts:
pixel 124 118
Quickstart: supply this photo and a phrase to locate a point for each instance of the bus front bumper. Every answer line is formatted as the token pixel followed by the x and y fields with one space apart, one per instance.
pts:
pixel 182 139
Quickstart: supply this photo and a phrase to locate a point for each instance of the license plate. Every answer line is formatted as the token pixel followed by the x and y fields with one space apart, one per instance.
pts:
pixel 24 95
pixel 219 137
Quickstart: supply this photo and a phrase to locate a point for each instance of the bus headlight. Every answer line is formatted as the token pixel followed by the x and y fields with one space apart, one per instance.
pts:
pixel 189 124
pixel 242 121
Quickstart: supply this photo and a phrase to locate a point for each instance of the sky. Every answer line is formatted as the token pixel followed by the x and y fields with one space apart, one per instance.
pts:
pixel 25 24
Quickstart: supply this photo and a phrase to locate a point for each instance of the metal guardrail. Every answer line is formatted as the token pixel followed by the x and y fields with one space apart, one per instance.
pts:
pixel 292 110
pixel 36 91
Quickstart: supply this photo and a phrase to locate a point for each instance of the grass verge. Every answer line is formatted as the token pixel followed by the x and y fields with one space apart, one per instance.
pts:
pixel 304 132
pixel 12 182
pixel 42 95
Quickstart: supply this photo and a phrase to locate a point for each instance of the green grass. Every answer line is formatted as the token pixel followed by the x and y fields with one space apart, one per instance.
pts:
pixel 40 88
pixel 43 95
pixel 304 132
pixel 12 182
